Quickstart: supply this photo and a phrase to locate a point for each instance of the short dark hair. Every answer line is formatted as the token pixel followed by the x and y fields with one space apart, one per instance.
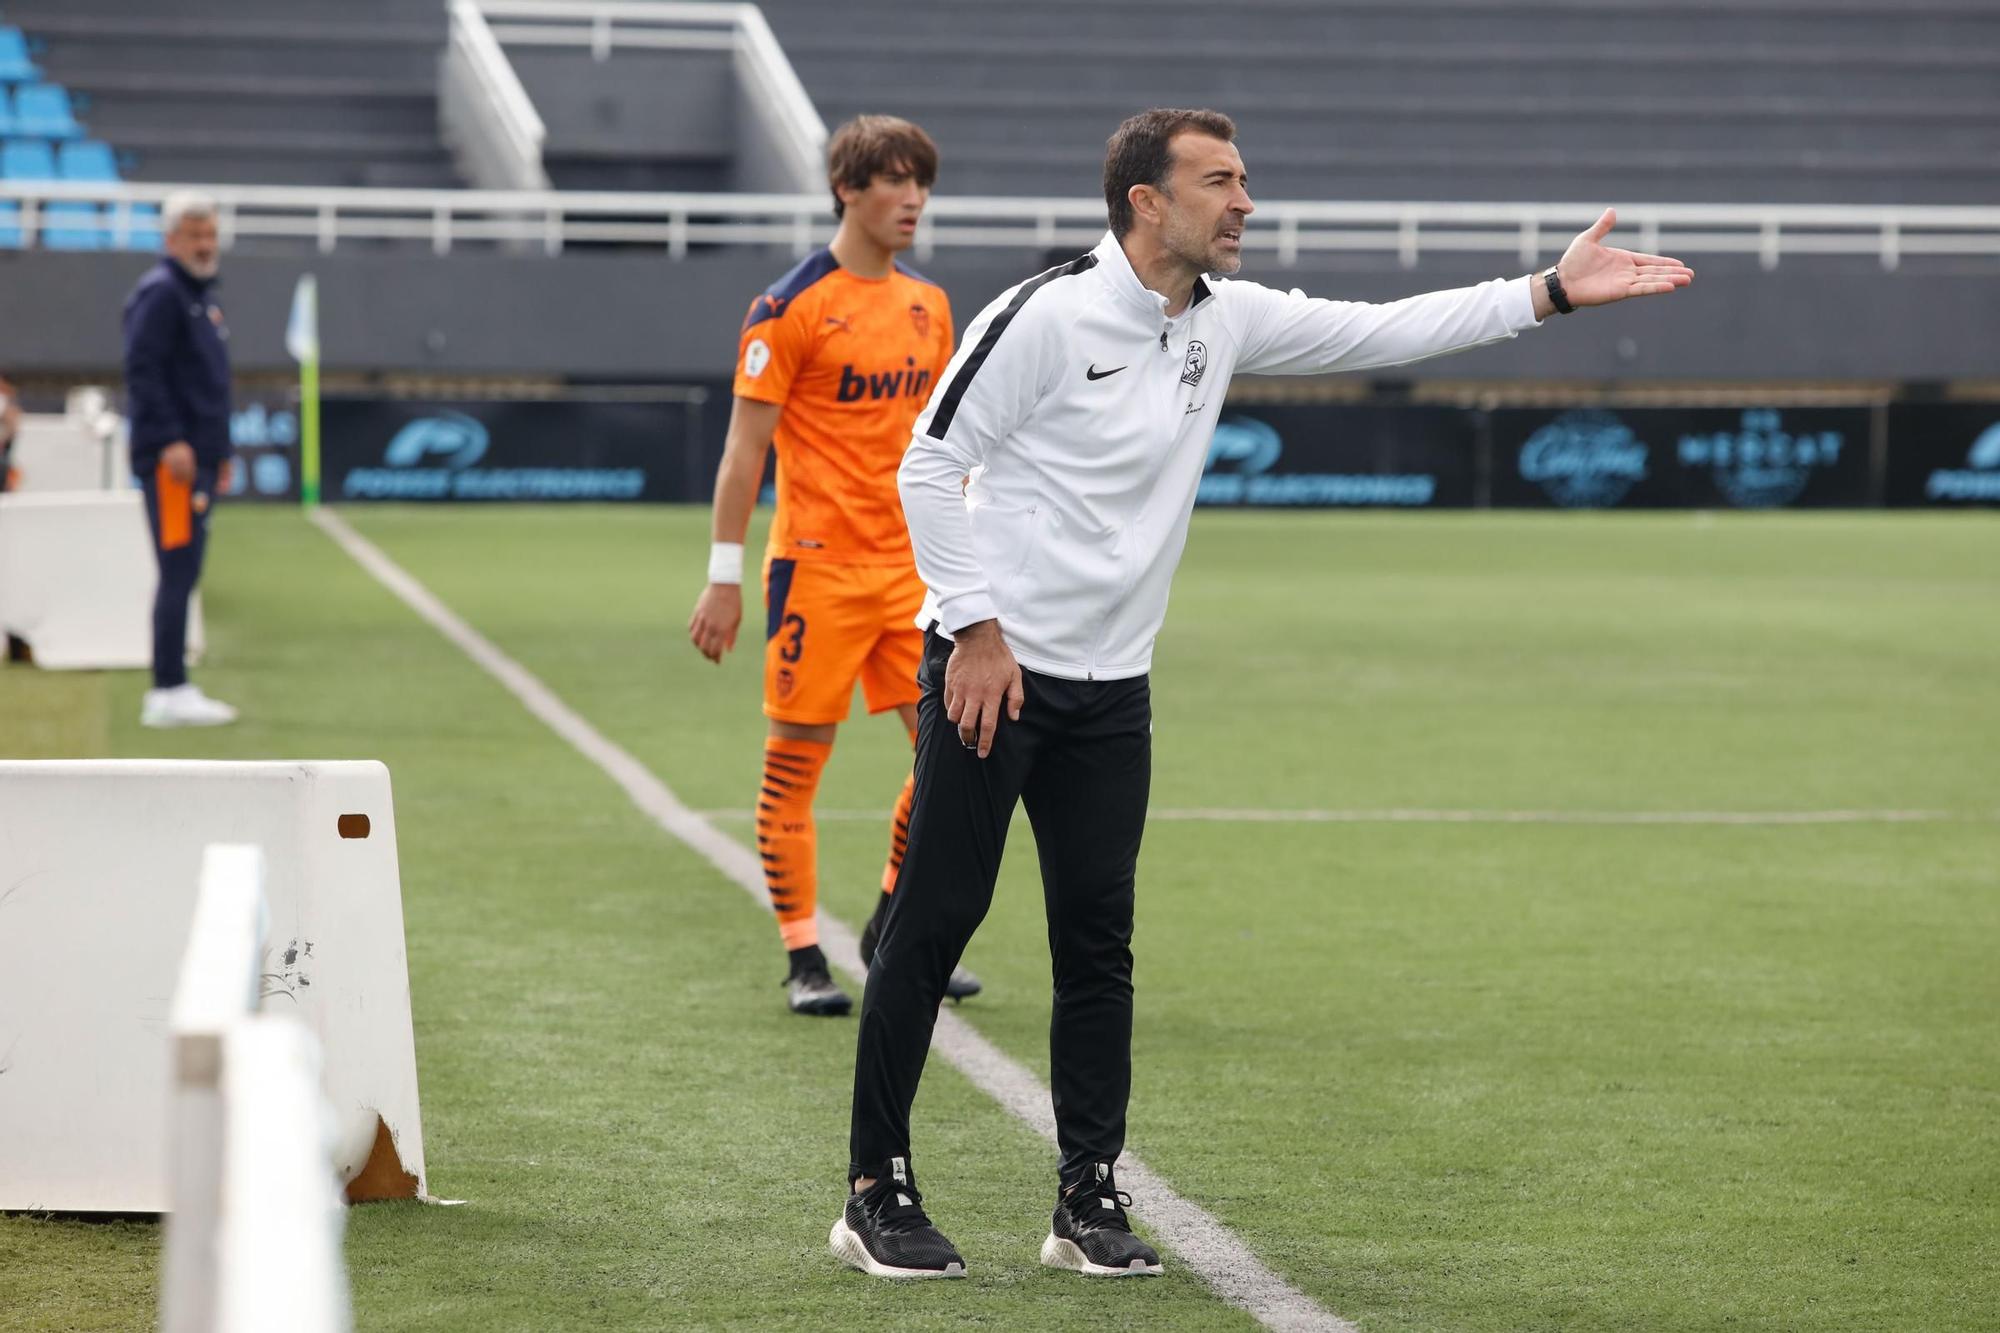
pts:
pixel 1140 153
pixel 868 146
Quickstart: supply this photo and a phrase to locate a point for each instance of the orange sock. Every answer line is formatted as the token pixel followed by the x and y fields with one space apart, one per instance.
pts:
pixel 899 834
pixel 787 842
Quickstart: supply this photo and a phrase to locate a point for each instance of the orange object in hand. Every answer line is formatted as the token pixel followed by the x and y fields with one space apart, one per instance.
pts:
pixel 176 500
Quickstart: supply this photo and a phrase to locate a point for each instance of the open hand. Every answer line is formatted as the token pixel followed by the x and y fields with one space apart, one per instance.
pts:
pixel 1594 273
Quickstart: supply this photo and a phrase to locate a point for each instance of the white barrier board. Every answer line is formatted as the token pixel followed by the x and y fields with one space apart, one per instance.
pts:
pixel 99 862
pixel 52 453
pixel 278 1246
pixel 221 982
pixel 77 576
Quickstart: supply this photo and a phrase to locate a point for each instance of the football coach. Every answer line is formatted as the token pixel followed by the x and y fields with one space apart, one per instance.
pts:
pixel 1081 404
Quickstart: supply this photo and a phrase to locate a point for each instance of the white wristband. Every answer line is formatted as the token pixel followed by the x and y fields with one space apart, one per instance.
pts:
pixel 725 562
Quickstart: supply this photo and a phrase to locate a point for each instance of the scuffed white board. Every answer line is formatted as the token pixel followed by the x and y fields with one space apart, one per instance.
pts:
pixel 99 862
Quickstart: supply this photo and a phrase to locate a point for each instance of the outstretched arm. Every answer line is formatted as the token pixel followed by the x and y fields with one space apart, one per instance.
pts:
pixel 1290 333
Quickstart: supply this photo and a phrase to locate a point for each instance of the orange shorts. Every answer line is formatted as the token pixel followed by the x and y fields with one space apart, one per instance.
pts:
pixel 829 625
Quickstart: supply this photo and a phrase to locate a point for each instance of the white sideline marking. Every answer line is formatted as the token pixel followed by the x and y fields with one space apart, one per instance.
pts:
pixel 1746 818
pixel 1213 1251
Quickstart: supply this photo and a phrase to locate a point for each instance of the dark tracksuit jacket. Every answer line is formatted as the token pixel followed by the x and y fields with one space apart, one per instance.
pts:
pixel 176 368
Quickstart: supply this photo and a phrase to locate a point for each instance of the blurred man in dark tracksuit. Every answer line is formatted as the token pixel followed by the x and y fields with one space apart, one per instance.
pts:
pixel 177 394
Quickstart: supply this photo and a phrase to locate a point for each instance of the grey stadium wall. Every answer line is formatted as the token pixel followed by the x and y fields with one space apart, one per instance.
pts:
pixel 640 317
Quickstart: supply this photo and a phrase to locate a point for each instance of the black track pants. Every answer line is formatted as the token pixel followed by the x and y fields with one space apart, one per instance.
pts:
pixel 178 517
pixel 1080 759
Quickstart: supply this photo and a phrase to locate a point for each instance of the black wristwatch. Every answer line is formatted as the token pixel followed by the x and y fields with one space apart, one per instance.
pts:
pixel 1552 279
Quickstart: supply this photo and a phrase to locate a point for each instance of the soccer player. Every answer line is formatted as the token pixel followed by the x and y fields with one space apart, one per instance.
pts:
pixel 1083 403
pixel 834 363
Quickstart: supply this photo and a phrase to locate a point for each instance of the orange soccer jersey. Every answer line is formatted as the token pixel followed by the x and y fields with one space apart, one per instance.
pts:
pixel 852 361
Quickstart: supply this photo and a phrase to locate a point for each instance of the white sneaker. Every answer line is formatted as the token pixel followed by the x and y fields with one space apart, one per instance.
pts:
pixel 184 706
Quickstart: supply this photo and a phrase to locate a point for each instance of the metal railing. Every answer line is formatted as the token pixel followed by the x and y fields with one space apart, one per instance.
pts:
pixel 484 112
pixel 676 223
pixel 772 93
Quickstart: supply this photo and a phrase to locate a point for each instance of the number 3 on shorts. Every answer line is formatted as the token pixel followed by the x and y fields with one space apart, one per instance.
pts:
pixel 793 647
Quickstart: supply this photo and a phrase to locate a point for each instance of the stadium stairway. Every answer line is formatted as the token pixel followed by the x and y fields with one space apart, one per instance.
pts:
pixel 311 92
pixel 1780 101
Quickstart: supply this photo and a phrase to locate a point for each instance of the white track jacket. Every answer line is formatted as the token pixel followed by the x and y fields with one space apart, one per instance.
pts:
pixel 1083 416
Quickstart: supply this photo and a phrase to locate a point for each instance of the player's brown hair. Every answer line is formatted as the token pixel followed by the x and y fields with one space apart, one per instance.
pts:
pixel 1139 152
pixel 868 146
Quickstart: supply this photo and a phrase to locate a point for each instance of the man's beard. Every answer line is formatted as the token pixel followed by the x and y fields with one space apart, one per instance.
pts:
pixel 1203 251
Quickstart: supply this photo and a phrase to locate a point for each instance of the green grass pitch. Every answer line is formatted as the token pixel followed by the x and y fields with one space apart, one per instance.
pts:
pixel 1472 1076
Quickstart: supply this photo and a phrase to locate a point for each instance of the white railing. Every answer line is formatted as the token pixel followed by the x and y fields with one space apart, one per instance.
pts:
pixel 674 223
pixel 483 111
pixel 771 92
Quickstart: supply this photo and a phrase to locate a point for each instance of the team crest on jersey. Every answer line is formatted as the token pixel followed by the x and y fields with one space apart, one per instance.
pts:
pixel 755 357
pixel 921 318
pixel 1197 361
pixel 786 682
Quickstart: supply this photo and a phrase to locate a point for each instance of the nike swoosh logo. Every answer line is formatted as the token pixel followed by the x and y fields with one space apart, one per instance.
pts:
pixel 1095 374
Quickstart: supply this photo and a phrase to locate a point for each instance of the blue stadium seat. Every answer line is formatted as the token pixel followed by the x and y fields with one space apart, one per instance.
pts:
pixel 87 160
pixel 6 112
pixel 10 226
pixel 27 160
pixel 43 109
pixel 15 67
pixel 142 231
pixel 73 227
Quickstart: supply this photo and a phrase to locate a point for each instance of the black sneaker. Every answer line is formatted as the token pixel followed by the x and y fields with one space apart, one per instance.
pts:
pixel 883 1231
pixel 959 986
pixel 1091 1235
pixel 810 988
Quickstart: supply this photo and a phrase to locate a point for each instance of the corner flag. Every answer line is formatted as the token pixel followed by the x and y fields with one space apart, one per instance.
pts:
pixel 302 341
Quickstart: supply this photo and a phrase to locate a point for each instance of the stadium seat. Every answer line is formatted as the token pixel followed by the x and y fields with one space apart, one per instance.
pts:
pixel 43 109
pixel 87 160
pixel 6 112
pixel 15 67
pixel 142 230
pixel 10 226
pixel 73 227
pixel 27 160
